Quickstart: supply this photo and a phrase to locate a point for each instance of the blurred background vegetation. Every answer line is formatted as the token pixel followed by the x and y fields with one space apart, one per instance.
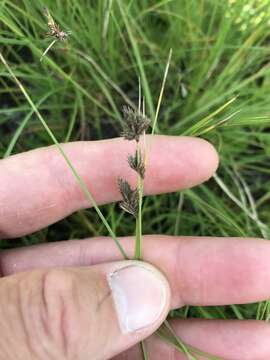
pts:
pixel 221 52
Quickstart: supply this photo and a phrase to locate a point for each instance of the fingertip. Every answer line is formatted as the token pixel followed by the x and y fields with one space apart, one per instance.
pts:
pixel 180 162
pixel 208 158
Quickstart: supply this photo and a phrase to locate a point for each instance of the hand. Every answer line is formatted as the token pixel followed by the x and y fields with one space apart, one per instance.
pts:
pixel 55 299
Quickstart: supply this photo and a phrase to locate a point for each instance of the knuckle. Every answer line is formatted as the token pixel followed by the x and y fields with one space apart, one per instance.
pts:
pixel 47 314
pixel 53 314
pixel 60 309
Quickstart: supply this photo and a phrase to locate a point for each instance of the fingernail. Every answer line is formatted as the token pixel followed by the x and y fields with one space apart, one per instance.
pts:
pixel 141 295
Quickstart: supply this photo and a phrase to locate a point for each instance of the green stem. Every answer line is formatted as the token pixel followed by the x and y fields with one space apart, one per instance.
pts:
pixel 138 243
pixel 48 48
pixel 144 351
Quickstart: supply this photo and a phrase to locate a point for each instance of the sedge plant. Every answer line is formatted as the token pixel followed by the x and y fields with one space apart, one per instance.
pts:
pixel 211 65
pixel 135 125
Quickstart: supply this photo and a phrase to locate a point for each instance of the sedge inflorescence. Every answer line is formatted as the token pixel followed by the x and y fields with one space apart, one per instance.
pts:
pixel 135 124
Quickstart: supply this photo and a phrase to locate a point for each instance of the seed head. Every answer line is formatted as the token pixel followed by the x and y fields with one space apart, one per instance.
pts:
pixel 130 202
pixel 54 29
pixel 135 123
pixel 136 163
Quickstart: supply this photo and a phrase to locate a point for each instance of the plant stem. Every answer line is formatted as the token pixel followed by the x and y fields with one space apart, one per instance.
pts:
pixel 144 350
pixel 48 48
pixel 162 91
pixel 167 333
pixel 138 243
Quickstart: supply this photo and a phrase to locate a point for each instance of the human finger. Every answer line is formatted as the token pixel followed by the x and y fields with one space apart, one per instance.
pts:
pixel 223 339
pixel 80 313
pixel 38 188
pixel 201 270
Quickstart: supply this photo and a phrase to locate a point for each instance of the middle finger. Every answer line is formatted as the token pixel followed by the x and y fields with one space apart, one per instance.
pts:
pixel 201 271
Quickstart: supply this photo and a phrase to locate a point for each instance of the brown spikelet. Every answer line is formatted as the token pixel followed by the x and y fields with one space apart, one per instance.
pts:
pixel 136 163
pixel 54 29
pixel 130 202
pixel 135 123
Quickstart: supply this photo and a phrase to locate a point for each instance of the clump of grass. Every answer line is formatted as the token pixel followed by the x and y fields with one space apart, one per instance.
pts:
pixel 220 50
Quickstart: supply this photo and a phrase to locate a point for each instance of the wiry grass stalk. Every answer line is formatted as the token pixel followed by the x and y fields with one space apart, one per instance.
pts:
pixel 140 152
pixel 106 78
pixel 144 350
pixel 162 91
pixel 126 19
pixel 253 216
pixel 48 49
pixel 167 334
pixel 73 170
pixel 138 242
pixel 22 126
pixel 197 128
pixel 140 186
pixel 107 11
pixel 179 210
pixel 138 245
pixel 154 124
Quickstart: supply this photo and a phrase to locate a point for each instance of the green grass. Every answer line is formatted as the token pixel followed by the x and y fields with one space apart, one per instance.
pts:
pixel 220 51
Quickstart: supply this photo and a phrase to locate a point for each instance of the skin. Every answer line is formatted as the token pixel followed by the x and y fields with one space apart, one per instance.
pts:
pixel 42 282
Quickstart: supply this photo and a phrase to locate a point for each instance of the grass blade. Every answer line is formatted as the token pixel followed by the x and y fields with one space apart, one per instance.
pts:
pixel 73 170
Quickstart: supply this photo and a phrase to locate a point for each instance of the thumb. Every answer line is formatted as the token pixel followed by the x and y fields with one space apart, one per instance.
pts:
pixel 80 313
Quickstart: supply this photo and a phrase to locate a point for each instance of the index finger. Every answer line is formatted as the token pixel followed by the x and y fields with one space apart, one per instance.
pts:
pixel 37 188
